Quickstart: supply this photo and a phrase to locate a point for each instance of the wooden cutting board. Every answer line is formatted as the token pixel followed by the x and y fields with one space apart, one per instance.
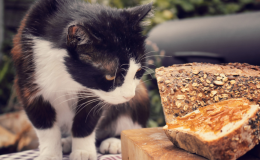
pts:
pixel 152 144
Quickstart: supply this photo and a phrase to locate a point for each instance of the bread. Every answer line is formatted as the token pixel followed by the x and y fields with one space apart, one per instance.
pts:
pixel 187 87
pixel 220 131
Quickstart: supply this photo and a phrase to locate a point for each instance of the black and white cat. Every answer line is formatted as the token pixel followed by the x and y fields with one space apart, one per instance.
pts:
pixel 78 71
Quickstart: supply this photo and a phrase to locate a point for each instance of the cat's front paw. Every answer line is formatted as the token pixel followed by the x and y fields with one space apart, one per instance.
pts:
pixel 110 145
pixel 83 155
pixel 45 157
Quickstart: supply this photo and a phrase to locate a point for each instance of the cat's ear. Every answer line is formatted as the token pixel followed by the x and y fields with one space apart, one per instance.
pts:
pixel 79 35
pixel 137 14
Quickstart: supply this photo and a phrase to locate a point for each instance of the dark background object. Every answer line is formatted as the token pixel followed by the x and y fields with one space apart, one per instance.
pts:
pixel 232 38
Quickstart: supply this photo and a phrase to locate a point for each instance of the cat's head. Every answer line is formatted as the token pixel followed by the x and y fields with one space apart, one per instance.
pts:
pixel 107 52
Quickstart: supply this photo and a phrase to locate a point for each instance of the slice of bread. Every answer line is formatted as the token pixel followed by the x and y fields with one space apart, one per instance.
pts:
pixel 187 87
pixel 220 131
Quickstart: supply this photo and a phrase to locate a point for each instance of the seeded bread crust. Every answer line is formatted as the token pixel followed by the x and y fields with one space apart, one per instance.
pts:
pixel 187 87
pixel 230 147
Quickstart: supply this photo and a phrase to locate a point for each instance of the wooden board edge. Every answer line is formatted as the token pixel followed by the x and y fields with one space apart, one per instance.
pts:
pixel 131 151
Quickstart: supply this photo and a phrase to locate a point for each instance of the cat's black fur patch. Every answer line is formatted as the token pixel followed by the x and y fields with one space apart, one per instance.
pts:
pixel 86 118
pixel 41 113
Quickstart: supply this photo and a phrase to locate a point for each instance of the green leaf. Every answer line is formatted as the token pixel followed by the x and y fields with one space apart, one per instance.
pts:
pixel 232 8
pixel 197 2
pixel 186 6
pixel 4 71
pixel 152 123
pixel 162 3
pixel 246 1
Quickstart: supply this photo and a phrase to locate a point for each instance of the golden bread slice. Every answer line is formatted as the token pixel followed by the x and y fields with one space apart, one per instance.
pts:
pixel 224 130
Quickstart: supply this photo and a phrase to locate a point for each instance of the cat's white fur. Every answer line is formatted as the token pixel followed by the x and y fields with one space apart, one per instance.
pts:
pixel 50 136
pixel 110 145
pixel 57 86
pixel 126 91
pixel 124 123
pixel 84 148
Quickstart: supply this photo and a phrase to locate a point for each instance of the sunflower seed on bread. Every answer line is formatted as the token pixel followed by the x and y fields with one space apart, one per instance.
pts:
pixel 194 85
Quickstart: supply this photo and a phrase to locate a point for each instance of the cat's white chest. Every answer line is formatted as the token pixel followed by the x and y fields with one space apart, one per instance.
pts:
pixel 64 107
pixel 55 83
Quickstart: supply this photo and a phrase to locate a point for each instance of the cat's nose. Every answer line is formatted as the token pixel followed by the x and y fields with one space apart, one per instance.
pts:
pixel 128 97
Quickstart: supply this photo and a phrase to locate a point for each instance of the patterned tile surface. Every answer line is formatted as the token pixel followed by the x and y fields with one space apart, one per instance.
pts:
pixel 31 154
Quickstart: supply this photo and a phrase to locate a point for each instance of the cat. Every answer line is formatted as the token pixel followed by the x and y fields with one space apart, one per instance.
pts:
pixel 78 75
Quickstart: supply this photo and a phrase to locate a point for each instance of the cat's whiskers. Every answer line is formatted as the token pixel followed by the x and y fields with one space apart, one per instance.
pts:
pixel 67 100
pixel 91 110
pixel 124 64
pixel 156 56
pixel 147 68
pixel 87 101
pixel 65 94
pixel 75 96
pixel 73 91
pixel 146 81
pixel 99 109
pixel 105 104
pixel 80 99
pixel 124 69
pixel 85 105
pixel 148 74
pixel 142 56
pixel 77 100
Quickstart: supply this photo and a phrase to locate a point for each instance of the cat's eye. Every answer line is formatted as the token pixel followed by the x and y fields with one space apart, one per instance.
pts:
pixel 110 78
pixel 139 69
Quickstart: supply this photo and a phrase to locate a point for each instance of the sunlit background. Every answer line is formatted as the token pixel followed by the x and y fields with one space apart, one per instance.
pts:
pixel 168 32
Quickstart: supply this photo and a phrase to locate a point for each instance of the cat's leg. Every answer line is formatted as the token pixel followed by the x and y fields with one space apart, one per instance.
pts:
pixel 83 134
pixel 50 143
pixel 66 144
pixel 43 117
pixel 83 148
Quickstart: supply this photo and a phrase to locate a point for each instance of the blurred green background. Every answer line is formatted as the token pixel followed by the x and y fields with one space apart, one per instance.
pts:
pixel 164 10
